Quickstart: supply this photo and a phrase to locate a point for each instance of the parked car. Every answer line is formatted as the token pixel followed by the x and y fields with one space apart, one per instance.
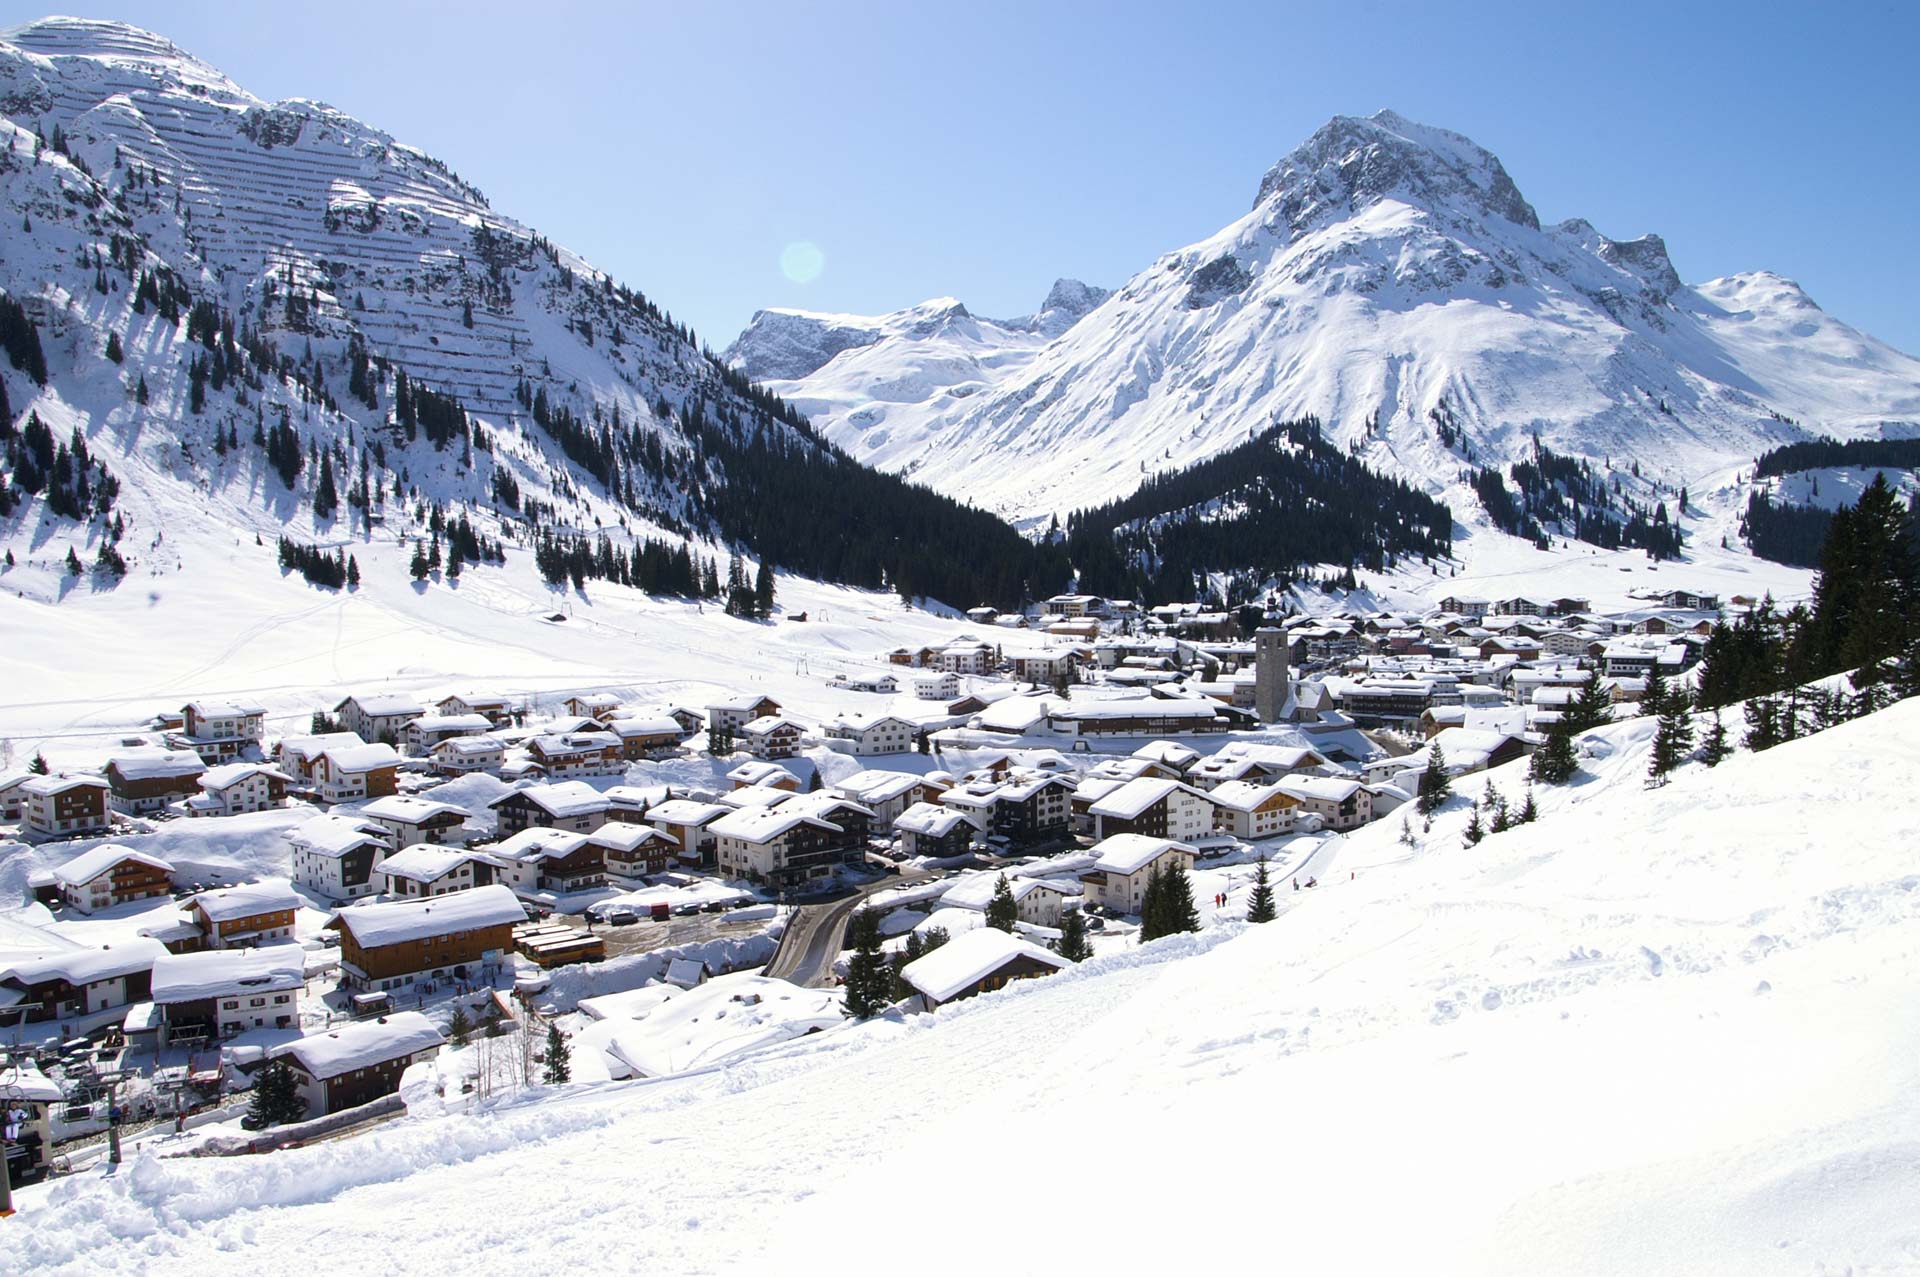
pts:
pixel 622 917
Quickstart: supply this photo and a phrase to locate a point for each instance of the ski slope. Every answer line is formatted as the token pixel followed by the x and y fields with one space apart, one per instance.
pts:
pixel 1658 1031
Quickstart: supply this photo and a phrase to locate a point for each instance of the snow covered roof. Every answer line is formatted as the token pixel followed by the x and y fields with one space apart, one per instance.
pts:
pixel 1243 795
pixel 1169 753
pixel 759 771
pixel 975 891
pixel 740 704
pixel 969 958
pixel 624 836
pixel 685 973
pixel 383 706
pixel 1016 713
pixel 25 1081
pixel 410 810
pixel 224 709
pixel 423 862
pixel 228 775
pixel 400 921
pixel 763 824
pixel 1138 707
pixel 768 724
pixel 624 727
pixel 1130 853
pixel 476 744
pixel 755 796
pixel 931 820
pixel 1136 796
pixel 538 843
pixel 335 835
pixel 85 966
pixel 685 811
pixel 721 1019
pixel 1093 788
pixel 157 764
pixel 1326 789
pixel 877 786
pixel 210 973
pixel 361 758
pixel 312 746
pixel 560 798
pixel 361 1044
pixel 48 786
pixel 270 895
pixel 452 723
pixel 90 864
pixel 866 722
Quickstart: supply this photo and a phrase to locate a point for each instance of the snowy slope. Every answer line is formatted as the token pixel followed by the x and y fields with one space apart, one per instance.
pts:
pixel 1671 1030
pixel 1389 271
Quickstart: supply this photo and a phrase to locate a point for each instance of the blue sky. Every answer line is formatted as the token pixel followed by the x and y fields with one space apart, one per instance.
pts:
pixel 983 149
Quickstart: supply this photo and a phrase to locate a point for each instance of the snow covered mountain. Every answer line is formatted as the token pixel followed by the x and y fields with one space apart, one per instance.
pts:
pixel 225 297
pixel 897 374
pixel 1391 280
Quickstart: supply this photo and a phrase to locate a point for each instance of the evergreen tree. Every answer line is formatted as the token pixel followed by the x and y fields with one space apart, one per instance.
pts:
pixel 1475 830
pixel 557 1059
pixel 1673 738
pixel 1715 747
pixel 140 390
pixel 1591 708
pixel 1556 761
pixel 1501 819
pixel 326 498
pixel 1073 944
pixel 763 590
pixel 39 765
pixel 1153 906
pixel 1180 914
pixel 276 1097
pixel 1261 905
pixel 353 573
pixel 74 566
pixel 869 979
pixel 114 350
pixel 1653 701
pixel 459 1027
pixel 719 740
pixel 1002 912
pixel 1435 784
pixel 1529 811
pixel 1763 724
pixel 419 566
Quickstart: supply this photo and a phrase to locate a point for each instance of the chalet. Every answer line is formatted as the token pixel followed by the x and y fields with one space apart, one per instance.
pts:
pixel 541 859
pixel 1076 605
pixel 216 993
pixel 464 755
pixel 141 782
pixel 628 803
pixel 1117 882
pixel 633 852
pixel 771 737
pixel 298 754
pixel 734 714
pixel 854 820
pixel 1090 790
pixel 654 737
pixel 983 615
pixel 578 754
pixel 13 796
pixel 378 718
pixel 864 734
pixel 883 684
pixel 233 789
pixel 1470 606
pixel 975 962
pixel 1626 660
pixel 245 916
pixel 780 848
pixel 359 1061
pixel 1468 749
pixel 1341 804
pixel 926 829
pixel 403 942
pixel 965 656
pixel 334 856
pixel 63 806
pixel 759 772
pixel 936 687
pixel 1154 807
pixel 886 794
pixel 570 805
pixel 80 981
pixel 1039 901
pixel 690 720
pixel 1046 667
pixel 600 706
pixel 1251 812
pixel 1175 758
pixel 344 773
pixel 497 710
pixel 1691 600
pixel 1025 809
pixel 1386 702
pixel 429 869
pixel 424 734
pixel 110 875
pixel 219 731
pixel 409 820
pixel 689 824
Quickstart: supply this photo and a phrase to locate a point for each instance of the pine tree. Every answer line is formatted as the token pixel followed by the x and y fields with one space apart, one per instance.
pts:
pixel 1763 723
pixel 1153 906
pixel 1715 748
pixel 1475 830
pixel 353 572
pixel 326 497
pixel 1261 905
pixel 1529 811
pixel 558 1058
pixel 39 765
pixel 1673 737
pixel 1591 708
pixel 276 1097
pixel 1502 819
pixel 719 740
pixel 1002 911
pixel 1555 763
pixel 869 980
pixel 74 566
pixel 140 391
pixel 763 590
pixel 1073 944
pixel 1435 784
pixel 114 349
pixel 1180 913
pixel 459 1026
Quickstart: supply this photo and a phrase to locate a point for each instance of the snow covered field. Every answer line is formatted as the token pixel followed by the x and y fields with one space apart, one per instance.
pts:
pixel 1670 1030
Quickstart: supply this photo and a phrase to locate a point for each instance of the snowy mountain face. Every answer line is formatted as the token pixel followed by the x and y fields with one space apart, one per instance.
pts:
pixel 325 259
pixel 868 381
pixel 1391 280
